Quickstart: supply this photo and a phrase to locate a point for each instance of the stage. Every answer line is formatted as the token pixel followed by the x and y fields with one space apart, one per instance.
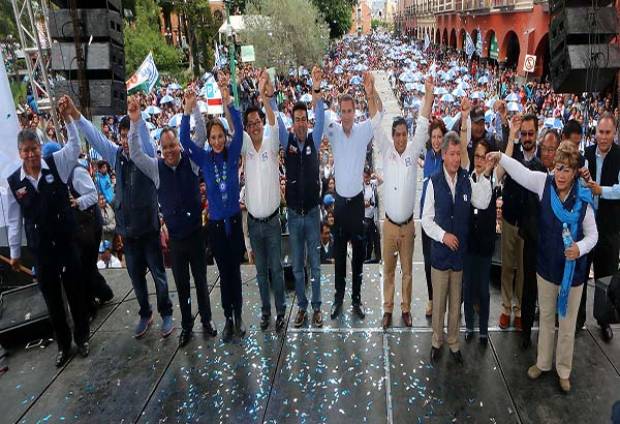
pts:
pixel 350 371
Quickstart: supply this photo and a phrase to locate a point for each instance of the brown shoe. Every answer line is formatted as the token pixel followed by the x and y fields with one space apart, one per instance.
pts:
pixel 300 318
pixel 534 372
pixel 429 308
pixel 407 319
pixel 504 321
pixel 565 385
pixel 387 320
pixel 317 319
pixel 517 323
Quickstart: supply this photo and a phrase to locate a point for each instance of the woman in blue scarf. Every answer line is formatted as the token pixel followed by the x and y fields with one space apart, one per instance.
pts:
pixel 219 165
pixel 566 219
pixel 432 163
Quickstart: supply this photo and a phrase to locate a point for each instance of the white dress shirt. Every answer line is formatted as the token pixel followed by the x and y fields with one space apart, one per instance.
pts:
pixel 85 186
pixel 481 192
pixel 535 181
pixel 400 172
pixel 65 160
pixel 350 153
pixel 262 176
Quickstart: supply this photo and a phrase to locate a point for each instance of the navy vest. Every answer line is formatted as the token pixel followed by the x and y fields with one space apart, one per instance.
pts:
pixel 302 175
pixel 608 210
pixel 452 217
pixel 482 229
pixel 135 200
pixel 550 261
pixel 48 217
pixel 179 198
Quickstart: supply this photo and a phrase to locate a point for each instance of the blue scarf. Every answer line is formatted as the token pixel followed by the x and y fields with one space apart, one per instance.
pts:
pixel 571 219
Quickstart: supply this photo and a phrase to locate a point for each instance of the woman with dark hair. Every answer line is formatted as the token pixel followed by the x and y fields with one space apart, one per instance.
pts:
pixel 219 166
pixel 567 233
pixel 432 164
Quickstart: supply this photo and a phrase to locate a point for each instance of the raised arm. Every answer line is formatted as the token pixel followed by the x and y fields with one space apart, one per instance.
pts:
pixel 534 181
pixel 421 129
pixel 515 127
pixel 145 163
pixel 200 131
pixel 374 101
pixel 66 158
pixel 262 88
pixel 100 143
pixel 237 140
pixel 319 107
pixel 465 122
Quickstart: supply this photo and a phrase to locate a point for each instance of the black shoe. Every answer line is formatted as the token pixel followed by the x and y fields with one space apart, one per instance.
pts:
pixel 264 322
pixel 83 349
pixel 526 340
pixel 227 334
pixel 457 356
pixel 435 354
pixel 336 310
pixel 484 341
pixel 209 329
pixel 469 336
pixel 358 311
pixel 185 337
pixel 62 357
pixel 239 325
pixel 279 323
pixel 608 333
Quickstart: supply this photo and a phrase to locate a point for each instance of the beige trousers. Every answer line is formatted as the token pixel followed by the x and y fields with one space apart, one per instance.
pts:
pixel 547 301
pixel 446 286
pixel 512 258
pixel 397 242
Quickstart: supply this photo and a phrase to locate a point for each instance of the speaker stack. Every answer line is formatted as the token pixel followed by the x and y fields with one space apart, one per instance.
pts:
pixel 582 58
pixel 101 35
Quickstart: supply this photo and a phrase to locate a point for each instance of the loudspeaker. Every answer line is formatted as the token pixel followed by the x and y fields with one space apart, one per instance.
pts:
pixel 582 58
pixel 100 26
pixel 23 315
pixel 557 5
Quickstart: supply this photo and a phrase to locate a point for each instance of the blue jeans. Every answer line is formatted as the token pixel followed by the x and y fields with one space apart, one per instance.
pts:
pixel 140 253
pixel 304 233
pixel 476 276
pixel 266 242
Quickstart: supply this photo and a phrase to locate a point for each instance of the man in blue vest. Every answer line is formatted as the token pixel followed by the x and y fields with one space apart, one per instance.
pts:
pixel 137 220
pixel 178 188
pixel 445 219
pixel 38 198
pixel 303 197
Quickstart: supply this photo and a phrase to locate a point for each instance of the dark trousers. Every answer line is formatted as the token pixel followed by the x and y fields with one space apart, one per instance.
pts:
pixel 58 267
pixel 426 251
pixel 228 250
pixel 604 258
pixel 476 280
pixel 349 226
pixel 96 285
pixel 530 286
pixel 372 239
pixel 186 253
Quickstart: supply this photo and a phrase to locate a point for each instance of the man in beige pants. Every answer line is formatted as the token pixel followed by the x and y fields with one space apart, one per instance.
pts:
pixel 399 188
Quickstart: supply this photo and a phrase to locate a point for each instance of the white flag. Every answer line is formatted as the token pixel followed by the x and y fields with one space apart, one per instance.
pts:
pixel 469 46
pixel 427 41
pixel 145 77
pixel 479 43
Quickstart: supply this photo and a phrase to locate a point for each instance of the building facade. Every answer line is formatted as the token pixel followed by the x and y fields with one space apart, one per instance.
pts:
pixel 509 29
pixel 361 18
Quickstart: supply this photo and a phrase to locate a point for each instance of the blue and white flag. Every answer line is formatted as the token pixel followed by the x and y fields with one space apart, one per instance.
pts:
pixel 469 46
pixel 145 78
pixel 427 41
pixel 479 43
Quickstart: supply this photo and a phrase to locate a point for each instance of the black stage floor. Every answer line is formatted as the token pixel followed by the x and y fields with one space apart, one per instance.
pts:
pixel 348 372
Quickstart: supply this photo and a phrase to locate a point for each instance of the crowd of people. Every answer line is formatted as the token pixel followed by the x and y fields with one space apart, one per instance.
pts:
pixel 169 184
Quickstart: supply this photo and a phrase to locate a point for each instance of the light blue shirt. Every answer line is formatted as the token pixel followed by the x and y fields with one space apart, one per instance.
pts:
pixel 607 192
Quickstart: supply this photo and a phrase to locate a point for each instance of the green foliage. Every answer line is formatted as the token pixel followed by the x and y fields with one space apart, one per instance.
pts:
pixel 285 33
pixel 202 32
pixel 375 23
pixel 18 90
pixel 337 14
pixel 7 21
pixel 142 35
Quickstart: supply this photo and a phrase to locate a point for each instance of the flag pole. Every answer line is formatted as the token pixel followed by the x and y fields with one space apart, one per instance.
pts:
pixel 231 56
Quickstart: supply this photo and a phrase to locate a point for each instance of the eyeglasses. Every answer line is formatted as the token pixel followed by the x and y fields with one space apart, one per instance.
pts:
pixel 254 124
pixel 528 133
pixel 481 157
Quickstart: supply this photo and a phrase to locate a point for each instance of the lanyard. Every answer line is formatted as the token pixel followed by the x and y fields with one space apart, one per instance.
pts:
pixel 220 180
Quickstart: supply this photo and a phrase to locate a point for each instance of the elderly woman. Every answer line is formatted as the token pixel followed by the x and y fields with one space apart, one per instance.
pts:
pixel 567 233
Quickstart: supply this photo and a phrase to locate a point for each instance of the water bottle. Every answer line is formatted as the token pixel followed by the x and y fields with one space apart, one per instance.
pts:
pixel 567 238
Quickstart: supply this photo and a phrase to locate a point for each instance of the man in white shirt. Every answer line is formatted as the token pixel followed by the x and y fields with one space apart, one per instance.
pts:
pixel 445 219
pixel 399 182
pixel 372 238
pixel 349 141
pixel 260 152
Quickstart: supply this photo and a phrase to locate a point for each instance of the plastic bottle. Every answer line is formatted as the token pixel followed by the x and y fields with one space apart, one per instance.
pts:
pixel 567 238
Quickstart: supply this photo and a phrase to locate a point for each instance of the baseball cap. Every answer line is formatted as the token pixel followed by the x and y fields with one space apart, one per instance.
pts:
pixel 104 245
pixel 328 200
pixel 477 114
pixel 50 148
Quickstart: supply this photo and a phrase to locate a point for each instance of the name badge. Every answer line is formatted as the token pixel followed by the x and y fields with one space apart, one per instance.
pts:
pixel 308 150
pixel 49 178
pixel 465 198
pixel 292 150
pixel 408 161
pixel 264 156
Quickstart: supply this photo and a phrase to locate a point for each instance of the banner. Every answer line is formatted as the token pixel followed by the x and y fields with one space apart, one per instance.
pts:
pixel 479 43
pixel 145 78
pixel 469 45
pixel 9 127
pixel 214 97
pixel 247 54
pixel 494 49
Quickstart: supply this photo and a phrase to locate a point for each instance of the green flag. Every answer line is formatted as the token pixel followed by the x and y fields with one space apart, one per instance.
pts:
pixel 145 78
pixel 494 50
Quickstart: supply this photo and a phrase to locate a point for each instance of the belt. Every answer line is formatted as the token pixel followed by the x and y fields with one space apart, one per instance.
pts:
pixel 269 218
pixel 350 199
pixel 402 224
pixel 302 212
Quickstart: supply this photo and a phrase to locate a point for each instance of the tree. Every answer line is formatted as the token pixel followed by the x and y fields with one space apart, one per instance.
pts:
pixel 201 33
pixel 285 33
pixel 142 35
pixel 7 21
pixel 337 14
